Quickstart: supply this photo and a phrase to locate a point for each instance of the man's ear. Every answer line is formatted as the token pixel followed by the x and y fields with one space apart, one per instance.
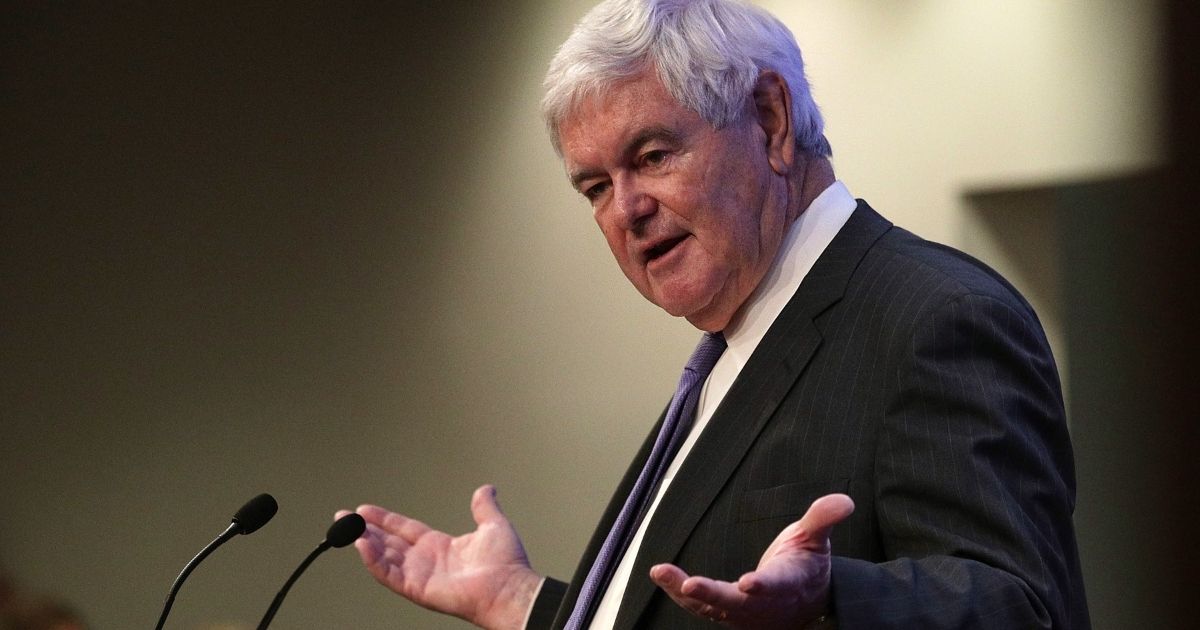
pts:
pixel 773 106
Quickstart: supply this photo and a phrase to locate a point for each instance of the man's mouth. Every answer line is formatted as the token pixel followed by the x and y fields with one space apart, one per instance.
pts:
pixel 662 247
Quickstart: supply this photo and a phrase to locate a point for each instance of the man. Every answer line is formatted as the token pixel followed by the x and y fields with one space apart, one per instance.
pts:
pixel 881 441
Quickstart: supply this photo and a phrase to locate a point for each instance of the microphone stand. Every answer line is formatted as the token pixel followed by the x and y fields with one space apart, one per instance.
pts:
pixel 344 531
pixel 266 620
pixel 229 532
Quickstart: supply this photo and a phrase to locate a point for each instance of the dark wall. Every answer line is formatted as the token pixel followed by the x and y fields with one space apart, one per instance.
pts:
pixel 218 229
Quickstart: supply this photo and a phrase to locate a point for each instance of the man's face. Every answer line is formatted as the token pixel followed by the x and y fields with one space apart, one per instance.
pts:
pixel 693 215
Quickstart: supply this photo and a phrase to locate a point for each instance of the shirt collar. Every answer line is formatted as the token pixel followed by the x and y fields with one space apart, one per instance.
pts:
pixel 806 239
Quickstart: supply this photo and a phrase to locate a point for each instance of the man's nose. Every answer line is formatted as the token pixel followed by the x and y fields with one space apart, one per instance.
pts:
pixel 633 204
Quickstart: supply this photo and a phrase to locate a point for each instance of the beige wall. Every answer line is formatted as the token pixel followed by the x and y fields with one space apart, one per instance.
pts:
pixel 328 253
pixel 928 101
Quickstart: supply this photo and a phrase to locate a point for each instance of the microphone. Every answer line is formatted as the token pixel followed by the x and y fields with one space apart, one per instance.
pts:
pixel 251 516
pixel 342 532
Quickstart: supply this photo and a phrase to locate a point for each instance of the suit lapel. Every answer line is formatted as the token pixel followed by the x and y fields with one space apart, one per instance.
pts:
pixel 770 373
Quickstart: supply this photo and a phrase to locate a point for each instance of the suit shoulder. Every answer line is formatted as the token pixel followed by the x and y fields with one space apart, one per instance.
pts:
pixel 909 264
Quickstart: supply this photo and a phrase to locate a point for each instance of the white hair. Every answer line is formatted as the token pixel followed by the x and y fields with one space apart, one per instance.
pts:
pixel 707 53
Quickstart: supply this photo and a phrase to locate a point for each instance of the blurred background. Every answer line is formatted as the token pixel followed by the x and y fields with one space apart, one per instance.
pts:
pixel 325 250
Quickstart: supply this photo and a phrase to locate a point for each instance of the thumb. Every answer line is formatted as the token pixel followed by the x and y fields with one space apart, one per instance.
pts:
pixel 484 507
pixel 811 532
pixel 824 513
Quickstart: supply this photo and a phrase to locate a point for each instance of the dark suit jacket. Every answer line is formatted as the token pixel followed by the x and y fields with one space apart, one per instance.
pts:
pixel 915 379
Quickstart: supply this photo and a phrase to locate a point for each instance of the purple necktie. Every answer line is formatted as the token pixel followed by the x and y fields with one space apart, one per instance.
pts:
pixel 675 428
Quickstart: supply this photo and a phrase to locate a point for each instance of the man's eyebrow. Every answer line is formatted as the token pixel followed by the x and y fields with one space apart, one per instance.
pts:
pixel 643 137
pixel 650 134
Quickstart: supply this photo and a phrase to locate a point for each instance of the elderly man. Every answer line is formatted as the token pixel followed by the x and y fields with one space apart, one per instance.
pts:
pixel 871 432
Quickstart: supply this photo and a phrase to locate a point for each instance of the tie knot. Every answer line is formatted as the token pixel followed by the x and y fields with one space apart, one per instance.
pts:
pixel 705 356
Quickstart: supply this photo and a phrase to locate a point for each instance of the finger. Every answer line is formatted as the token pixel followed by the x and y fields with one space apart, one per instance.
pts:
pixel 371 546
pixel 410 529
pixel 701 596
pixel 716 593
pixel 670 579
pixel 779 579
pixel 377 547
pixel 484 507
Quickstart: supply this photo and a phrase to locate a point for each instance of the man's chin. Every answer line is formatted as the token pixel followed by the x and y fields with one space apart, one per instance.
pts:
pixel 699 313
pixel 675 302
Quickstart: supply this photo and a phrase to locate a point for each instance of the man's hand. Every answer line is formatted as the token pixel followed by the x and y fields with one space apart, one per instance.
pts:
pixel 483 577
pixel 789 588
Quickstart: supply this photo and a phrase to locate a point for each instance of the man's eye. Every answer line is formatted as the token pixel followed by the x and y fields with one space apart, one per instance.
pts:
pixel 592 192
pixel 654 158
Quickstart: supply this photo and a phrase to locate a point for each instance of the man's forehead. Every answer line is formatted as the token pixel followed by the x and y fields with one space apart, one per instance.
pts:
pixel 613 109
pixel 627 101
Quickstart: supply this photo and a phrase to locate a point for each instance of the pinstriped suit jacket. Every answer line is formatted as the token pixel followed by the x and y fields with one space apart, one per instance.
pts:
pixel 916 380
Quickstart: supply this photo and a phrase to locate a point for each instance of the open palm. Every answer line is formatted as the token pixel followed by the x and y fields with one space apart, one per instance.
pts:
pixel 789 588
pixel 482 576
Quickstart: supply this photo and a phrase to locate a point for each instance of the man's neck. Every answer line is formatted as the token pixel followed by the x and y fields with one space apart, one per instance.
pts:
pixel 812 179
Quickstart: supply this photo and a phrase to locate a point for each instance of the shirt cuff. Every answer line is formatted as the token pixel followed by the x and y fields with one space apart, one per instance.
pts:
pixel 545 606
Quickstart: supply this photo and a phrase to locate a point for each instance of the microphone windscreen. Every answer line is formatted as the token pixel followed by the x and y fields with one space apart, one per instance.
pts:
pixel 345 530
pixel 255 513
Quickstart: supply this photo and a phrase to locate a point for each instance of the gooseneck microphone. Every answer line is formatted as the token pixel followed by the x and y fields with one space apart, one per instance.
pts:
pixel 344 531
pixel 253 515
